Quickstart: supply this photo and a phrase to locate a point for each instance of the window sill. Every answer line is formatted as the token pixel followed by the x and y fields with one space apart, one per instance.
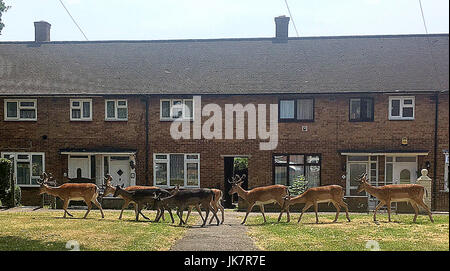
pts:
pixel 401 118
pixel 28 185
pixel 20 119
pixel 171 120
pixel 294 120
pixel 81 120
pixel 119 120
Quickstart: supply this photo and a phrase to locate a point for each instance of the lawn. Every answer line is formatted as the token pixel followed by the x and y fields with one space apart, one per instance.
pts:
pixel 47 230
pixel 400 235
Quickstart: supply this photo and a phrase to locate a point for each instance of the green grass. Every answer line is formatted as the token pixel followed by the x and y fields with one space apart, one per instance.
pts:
pixel 400 235
pixel 47 230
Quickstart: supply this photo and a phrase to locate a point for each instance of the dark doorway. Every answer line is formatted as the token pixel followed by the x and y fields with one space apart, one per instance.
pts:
pixel 234 166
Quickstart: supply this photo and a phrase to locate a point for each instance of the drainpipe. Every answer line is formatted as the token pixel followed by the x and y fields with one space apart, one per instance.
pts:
pixel 146 140
pixel 434 187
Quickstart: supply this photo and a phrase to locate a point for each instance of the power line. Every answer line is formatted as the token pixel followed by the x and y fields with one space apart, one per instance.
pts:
pixel 423 17
pixel 73 19
pixel 292 18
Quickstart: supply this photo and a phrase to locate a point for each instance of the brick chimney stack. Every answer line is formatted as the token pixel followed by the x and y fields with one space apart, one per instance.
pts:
pixel 281 29
pixel 41 31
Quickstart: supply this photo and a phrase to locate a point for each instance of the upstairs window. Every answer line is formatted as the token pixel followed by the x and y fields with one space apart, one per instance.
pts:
pixel 361 109
pixel 176 109
pixel 401 108
pixel 21 110
pixel 81 109
pixel 116 110
pixel 296 110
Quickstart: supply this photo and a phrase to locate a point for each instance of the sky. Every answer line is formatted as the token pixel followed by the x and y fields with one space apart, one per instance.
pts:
pixel 205 19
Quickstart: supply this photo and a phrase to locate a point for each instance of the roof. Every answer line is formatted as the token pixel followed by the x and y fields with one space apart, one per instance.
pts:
pixel 227 66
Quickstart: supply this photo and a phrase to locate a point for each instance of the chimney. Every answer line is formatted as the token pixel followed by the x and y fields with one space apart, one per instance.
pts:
pixel 41 31
pixel 281 29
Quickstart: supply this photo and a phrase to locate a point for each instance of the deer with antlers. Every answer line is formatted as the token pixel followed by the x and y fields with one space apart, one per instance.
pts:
pixel 88 192
pixel 110 190
pixel 313 196
pixel 412 193
pixel 259 195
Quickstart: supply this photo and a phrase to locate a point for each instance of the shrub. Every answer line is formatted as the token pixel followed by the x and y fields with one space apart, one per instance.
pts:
pixel 299 185
pixel 5 180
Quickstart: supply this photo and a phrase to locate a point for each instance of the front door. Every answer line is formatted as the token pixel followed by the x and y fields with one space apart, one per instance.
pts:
pixel 405 170
pixel 79 166
pixel 353 174
pixel 120 170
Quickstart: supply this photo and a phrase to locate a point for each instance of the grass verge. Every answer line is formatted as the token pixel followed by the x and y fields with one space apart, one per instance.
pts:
pixel 47 230
pixel 400 235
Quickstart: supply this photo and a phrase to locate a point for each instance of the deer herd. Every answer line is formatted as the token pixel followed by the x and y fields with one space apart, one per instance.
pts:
pixel 210 199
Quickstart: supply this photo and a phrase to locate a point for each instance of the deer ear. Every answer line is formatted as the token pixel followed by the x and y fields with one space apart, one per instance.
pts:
pixel 122 185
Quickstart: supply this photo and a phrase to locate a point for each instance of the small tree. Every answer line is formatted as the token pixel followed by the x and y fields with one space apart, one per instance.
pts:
pixel 5 180
pixel 3 9
pixel 299 185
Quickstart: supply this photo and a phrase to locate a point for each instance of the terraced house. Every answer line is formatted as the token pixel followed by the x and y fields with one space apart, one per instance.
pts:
pixel 346 105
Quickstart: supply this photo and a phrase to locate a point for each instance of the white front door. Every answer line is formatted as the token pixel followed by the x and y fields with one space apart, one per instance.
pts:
pixel 355 170
pixel 405 170
pixel 120 170
pixel 79 166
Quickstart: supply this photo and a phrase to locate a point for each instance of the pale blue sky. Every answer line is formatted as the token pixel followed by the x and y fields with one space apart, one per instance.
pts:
pixel 202 19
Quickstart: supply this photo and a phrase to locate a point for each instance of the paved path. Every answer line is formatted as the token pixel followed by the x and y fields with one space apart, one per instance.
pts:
pixel 230 235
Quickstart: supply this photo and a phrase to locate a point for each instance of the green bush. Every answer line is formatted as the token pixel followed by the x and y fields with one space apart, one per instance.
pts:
pixel 5 180
pixel 299 185
pixel 5 185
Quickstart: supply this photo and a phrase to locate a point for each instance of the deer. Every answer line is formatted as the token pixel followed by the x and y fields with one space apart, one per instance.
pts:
pixel 110 190
pixel 190 197
pixel 88 192
pixel 412 193
pixel 259 196
pixel 323 194
pixel 142 197
pixel 216 204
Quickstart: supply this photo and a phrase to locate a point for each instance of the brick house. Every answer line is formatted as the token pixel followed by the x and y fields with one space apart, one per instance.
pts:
pixel 347 105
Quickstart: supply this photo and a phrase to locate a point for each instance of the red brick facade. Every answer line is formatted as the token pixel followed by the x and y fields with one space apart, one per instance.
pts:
pixel 330 132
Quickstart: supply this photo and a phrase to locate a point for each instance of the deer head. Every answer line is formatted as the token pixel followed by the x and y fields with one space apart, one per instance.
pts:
pixel 362 182
pixel 108 188
pixel 236 182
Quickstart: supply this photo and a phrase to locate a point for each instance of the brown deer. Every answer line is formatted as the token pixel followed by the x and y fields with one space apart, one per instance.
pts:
pixel 142 197
pixel 412 193
pixel 215 204
pixel 184 198
pixel 323 194
pixel 88 192
pixel 110 190
pixel 259 196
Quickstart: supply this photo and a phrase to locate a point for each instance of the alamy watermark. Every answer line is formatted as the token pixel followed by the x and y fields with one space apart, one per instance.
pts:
pixel 258 125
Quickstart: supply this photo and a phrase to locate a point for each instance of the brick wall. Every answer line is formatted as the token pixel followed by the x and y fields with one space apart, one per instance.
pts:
pixel 331 131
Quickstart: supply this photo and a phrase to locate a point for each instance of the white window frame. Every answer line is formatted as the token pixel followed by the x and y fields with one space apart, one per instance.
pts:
pixel 171 117
pixel 446 169
pixel 80 107
pixel 30 160
pixel 402 105
pixel 167 161
pixel 116 107
pixel 19 107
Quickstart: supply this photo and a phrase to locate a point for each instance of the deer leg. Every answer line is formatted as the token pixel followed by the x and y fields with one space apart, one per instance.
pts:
pixel 376 209
pixel 65 205
pixel 249 209
pixel 316 206
pixel 416 210
pixel 284 206
pixel 307 206
pixel 125 205
pixel 421 203
pixel 189 213
pixel 338 209
pixel 214 211
pixel 343 204
pixel 215 208
pixel 99 206
pixel 89 205
pixel 261 208
pixel 222 210
pixel 389 210
pixel 199 210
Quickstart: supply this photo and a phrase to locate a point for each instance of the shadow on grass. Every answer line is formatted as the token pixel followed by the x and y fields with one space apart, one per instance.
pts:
pixel 10 243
